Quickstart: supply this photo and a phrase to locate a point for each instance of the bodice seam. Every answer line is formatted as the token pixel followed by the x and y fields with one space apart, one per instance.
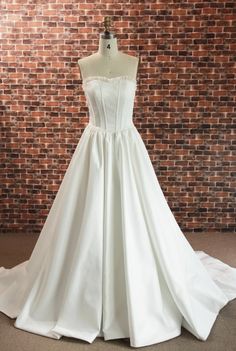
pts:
pixel 108 79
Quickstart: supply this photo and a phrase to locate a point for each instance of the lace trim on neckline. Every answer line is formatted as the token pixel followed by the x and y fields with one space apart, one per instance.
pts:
pixel 107 79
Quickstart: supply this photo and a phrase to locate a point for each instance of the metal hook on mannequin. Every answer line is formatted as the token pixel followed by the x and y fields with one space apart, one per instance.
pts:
pixel 107 34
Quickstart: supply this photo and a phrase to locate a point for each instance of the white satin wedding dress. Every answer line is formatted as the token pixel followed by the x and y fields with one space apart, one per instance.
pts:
pixel 111 259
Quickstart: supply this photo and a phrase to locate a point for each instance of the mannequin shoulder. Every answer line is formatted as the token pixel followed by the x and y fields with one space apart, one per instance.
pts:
pixel 134 59
pixel 85 59
pixel 84 63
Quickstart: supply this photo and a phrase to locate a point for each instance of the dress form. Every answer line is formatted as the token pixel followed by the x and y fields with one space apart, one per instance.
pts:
pixel 108 61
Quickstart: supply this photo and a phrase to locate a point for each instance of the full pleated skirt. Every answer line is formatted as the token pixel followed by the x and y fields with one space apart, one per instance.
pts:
pixel 111 260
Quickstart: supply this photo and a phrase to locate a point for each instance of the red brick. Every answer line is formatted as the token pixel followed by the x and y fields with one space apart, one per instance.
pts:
pixel 184 106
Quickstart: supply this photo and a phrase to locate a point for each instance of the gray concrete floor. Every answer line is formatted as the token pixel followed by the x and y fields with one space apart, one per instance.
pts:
pixel 17 248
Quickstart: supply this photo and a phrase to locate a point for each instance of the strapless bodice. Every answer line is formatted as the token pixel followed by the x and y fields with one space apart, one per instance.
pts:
pixel 110 101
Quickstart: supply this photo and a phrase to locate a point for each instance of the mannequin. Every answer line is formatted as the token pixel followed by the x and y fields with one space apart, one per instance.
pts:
pixel 108 61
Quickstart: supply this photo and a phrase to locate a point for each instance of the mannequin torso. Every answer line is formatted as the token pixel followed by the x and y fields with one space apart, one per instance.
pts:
pixel 108 62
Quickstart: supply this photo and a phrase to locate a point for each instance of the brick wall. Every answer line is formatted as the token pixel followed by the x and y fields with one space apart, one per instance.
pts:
pixel 184 106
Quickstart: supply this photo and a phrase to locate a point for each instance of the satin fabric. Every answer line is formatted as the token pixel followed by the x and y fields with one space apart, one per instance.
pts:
pixel 111 259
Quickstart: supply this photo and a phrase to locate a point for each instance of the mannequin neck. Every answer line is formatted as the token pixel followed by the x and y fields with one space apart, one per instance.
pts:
pixel 108 47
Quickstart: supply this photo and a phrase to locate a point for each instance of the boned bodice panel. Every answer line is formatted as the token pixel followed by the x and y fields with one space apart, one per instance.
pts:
pixel 110 101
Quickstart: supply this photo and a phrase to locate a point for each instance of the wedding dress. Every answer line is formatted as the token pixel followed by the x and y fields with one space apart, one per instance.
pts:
pixel 111 260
